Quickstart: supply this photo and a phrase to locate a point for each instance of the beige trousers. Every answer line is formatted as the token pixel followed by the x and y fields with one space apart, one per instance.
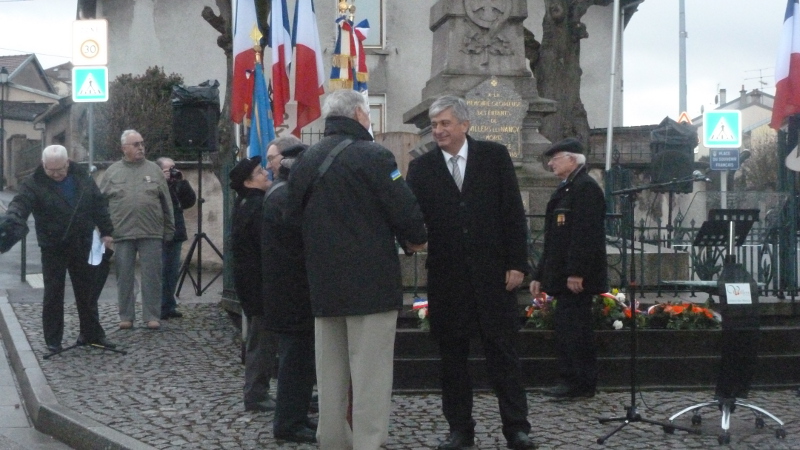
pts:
pixel 361 349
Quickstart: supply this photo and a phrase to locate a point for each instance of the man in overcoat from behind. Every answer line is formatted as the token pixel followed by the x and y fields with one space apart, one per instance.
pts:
pixel 477 257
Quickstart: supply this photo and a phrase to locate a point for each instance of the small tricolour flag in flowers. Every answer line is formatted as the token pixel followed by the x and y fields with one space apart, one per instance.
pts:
pixel 280 39
pixel 419 303
pixel 787 68
pixel 245 35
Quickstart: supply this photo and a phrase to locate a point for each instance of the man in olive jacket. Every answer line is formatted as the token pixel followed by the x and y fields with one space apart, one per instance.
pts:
pixel 573 267
pixel 66 206
pixel 477 258
pixel 350 217
pixel 141 210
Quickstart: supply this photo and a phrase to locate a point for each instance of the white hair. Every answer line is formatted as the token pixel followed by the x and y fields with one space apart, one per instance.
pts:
pixel 125 134
pixel 54 152
pixel 580 158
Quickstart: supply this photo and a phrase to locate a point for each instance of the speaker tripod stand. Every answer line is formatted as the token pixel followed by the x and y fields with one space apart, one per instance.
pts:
pixel 631 413
pixel 197 242
pixel 85 344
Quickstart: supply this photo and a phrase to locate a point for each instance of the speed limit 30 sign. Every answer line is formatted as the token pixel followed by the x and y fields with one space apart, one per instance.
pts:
pixel 90 42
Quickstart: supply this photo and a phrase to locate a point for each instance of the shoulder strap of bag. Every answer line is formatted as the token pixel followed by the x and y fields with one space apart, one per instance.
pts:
pixel 326 164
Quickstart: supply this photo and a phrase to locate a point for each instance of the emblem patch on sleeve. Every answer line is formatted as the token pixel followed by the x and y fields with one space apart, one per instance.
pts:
pixel 395 175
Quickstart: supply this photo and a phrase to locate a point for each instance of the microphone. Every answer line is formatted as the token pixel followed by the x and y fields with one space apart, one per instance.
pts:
pixel 700 176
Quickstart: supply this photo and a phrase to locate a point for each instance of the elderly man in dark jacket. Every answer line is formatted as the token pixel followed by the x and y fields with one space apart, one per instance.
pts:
pixel 287 308
pixel 250 182
pixel 66 206
pixel 573 266
pixel 477 258
pixel 350 216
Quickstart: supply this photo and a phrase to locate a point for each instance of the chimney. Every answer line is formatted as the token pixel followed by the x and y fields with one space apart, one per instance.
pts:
pixel 742 97
pixel 723 96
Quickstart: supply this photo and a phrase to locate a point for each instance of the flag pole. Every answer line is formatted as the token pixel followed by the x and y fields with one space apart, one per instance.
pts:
pixel 612 85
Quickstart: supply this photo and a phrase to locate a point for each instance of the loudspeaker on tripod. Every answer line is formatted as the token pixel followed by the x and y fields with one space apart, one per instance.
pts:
pixel 195 114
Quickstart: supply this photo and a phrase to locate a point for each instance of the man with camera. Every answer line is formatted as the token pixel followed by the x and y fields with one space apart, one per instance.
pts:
pixel 183 197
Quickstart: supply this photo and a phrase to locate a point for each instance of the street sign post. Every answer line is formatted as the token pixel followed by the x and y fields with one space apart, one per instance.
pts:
pixel 90 42
pixel 722 129
pixel 90 84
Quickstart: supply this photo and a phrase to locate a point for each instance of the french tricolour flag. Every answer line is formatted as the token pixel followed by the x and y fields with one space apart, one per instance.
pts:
pixel 280 39
pixel 309 78
pixel 787 68
pixel 244 58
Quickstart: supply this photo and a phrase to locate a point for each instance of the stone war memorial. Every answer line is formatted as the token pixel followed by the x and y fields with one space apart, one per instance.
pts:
pixel 478 55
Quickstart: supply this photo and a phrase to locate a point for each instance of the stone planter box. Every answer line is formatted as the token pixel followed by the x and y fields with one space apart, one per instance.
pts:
pixel 665 359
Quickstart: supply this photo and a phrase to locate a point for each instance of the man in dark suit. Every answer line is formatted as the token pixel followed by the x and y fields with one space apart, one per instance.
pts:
pixel 573 267
pixel 477 257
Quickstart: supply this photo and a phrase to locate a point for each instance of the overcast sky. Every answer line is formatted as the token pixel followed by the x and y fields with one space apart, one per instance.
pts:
pixel 731 43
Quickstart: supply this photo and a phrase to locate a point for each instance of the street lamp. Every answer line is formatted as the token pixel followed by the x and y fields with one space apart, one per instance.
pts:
pixel 3 83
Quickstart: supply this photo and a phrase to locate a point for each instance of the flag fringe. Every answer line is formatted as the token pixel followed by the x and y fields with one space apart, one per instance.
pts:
pixel 340 84
pixel 362 77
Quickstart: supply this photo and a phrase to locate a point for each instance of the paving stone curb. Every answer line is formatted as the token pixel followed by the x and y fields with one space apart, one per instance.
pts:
pixel 48 416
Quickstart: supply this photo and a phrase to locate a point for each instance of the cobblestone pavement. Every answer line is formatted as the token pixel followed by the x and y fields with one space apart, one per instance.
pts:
pixel 180 388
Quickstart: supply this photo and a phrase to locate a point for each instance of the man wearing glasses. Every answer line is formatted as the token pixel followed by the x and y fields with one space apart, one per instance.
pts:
pixel 141 211
pixel 274 149
pixel 66 206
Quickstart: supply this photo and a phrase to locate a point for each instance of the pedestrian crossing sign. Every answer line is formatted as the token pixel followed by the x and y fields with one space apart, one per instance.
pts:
pixel 90 84
pixel 722 129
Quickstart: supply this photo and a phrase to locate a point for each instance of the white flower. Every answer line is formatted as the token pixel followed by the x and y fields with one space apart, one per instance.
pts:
pixel 620 297
pixel 422 313
pixel 617 325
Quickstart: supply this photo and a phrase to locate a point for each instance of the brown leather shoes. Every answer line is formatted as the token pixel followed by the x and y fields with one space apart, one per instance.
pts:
pixel 125 325
pixel 153 325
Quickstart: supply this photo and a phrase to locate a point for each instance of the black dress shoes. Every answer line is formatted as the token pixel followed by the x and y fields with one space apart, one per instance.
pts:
pixel 54 348
pixel 520 441
pixel 265 406
pixel 562 391
pixel 171 315
pixel 103 342
pixel 457 440
pixel 302 434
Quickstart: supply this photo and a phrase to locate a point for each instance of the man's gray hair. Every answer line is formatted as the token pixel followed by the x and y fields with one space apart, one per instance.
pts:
pixel 284 142
pixel 459 106
pixel 57 152
pixel 164 159
pixel 579 157
pixel 343 102
pixel 125 134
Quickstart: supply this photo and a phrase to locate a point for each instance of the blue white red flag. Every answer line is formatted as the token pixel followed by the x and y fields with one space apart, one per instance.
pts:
pixel 280 39
pixel 262 128
pixel 245 26
pixel 309 78
pixel 787 68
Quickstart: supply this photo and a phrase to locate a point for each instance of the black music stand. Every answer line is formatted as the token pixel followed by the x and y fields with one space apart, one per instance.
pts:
pixel 738 293
pixel 631 413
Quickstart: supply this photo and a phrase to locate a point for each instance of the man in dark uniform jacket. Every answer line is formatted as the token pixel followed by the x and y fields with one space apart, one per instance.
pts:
pixel 67 206
pixel 287 308
pixel 477 257
pixel 573 267
pixel 250 182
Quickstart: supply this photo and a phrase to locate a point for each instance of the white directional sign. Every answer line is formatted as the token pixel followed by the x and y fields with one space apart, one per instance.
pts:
pixel 722 129
pixel 90 42
pixel 90 84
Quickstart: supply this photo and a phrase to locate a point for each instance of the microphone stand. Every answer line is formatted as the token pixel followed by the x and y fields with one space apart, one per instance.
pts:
pixel 632 416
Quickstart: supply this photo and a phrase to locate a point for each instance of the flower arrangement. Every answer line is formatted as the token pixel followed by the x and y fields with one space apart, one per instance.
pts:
pixel 682 316
pixel 540 312
pixel 610 311
pixel 421 307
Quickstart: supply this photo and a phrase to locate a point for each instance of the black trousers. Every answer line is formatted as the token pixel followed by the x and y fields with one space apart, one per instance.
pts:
pixel 55 265
pixel 296 378
pixel 502 365
pixel 574 339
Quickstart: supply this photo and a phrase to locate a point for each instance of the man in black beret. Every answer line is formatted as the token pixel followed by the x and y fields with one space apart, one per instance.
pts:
pixel 249 180
pixel 573 266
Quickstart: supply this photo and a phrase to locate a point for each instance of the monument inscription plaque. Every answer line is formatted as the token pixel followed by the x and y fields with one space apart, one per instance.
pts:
pixel 496 111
